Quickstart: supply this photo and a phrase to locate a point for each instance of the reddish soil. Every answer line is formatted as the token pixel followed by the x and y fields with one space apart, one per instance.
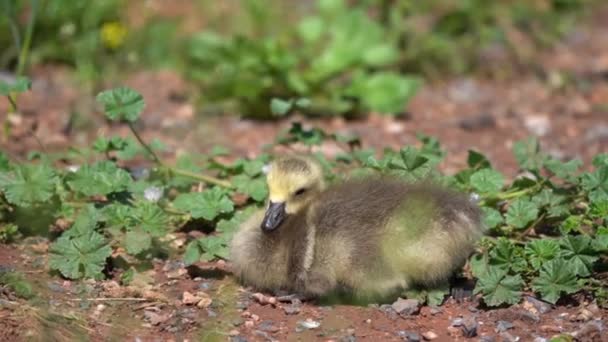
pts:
pixel 566 106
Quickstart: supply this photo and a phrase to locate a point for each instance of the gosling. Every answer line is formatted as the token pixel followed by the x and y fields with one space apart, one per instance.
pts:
pixel 369 238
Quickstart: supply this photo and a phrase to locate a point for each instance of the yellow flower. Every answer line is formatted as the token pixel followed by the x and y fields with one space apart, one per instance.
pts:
pixel 113 34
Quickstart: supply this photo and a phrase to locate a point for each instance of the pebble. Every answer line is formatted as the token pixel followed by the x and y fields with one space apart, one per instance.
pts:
pixel 435 310
pixel 457 322
pixel 538 125
pixel 540 339
pixel 503 326
pixel 409 336
pixel 268 326
pixel 487 339
pixel 308 324
pixel 263 335
pixel 238 338
pixel 429 335
pixel 255 317
pixel 292 309
pixel 551 328
pixel 469 327
pixel 237 321
pixel 477 122
pixel 591 331
pixel 406 307
pixel 233 332
pixel 249 324
pixel 508 337
pixel 540 306
pixel 263 299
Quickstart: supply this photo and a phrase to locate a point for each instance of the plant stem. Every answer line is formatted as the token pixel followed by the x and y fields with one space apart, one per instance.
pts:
pixel 160 163
pixel 25 48
pixel 144 145
pixel 204 178
pixel 12 102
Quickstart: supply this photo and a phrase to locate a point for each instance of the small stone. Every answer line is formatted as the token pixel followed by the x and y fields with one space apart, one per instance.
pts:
pixel 233 332
pixel 237 322
pixel 255 317
pixel 308 324
pixel 469 327
pixel 540 306
pixel 238 338
pixel 249 324
pixel 368 321
pixel 204 301
pixel 406 307
pixel 457 322
pixel 477 122
pixel 503 326
pixel 204 286
pixel 540 339
pixel 268 326
pixel 263 299
pixel 264 335
pixel 409 336
pixel 435 310
pixel 292 309
pixel 189 299
pixel 154 318
pixel 506 337
pixel 584 315
pixel 591 331
pixel 178 273
pixel 211 313
pixel 429 335
pixel 537 124
pixel 487 339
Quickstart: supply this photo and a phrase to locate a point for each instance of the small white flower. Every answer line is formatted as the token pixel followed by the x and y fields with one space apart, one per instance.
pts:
pixel 73 168
pixel 153 193
pixel 474 197
pixel 266 169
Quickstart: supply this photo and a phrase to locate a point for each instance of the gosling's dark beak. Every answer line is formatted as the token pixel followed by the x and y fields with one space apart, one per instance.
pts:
pixel 275 214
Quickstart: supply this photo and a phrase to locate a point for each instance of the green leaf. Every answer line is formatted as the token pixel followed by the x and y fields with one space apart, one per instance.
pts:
pixel 20 85
pixel 380 55
pixel 507 256
pixel 213 247
pixel 137 241
pixel 566 171
pixel 491 217
pixel 385 92
pixel 5 164
pixel 555 278
pixel 499 288
pixel 410 164
pixel 477 161
pixel 28 184
pixel 596 183
pixel 487 181
pixel 207 204
pixel 521 212
pixel 122 103
pixel 150 218
pixel 101 178
pixel 256 188
pixel 193 253
pixel 599 209
pixel 578 253
pixel 527 153
pixel 280 107
pixel 80 256
pixel 540 251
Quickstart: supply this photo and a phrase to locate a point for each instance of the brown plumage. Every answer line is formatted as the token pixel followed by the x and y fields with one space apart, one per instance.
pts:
pixel 371 237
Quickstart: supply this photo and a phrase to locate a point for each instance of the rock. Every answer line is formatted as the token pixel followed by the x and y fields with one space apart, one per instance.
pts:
pixel 591 331
pixel 408 336
pixel 435 310
pixel 204 301
pixel 539 306
pixel 538 125
pixel 503 326
pixel 406 307
pixel 469 327
pixel 477 122
pixel 189 299
pixel 506 337
pixel 540 339
pixel 249 324
pixel 237 322
pixel 211 313
pixel 389 311
pixel 457 322
pixel 263 335
pixel 255 317
pixel 204 286
pixel 429 335
pixel 308 324
pixel 597 133
pixel 238 338
pixel 487 339
pixel 233 332
pixel 263 299
pixel 154 318
pixel 292 309
pixel 349 338
pixel 268 326
pixel 551 328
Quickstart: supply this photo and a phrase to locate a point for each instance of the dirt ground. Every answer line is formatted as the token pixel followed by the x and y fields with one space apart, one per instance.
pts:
pixel 564 103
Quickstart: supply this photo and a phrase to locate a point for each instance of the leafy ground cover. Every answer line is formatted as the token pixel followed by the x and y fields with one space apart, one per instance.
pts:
pixel 548 232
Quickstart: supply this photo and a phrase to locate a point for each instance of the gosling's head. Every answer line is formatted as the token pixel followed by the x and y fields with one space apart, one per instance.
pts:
pixel 293 182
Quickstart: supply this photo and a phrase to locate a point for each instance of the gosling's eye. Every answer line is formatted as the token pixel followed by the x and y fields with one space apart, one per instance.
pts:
pixel 300 191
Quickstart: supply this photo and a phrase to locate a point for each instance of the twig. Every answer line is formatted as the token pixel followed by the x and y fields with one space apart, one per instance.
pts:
pixel 204 178
pixel 108 299
pixel 144 145
pixel 25 48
